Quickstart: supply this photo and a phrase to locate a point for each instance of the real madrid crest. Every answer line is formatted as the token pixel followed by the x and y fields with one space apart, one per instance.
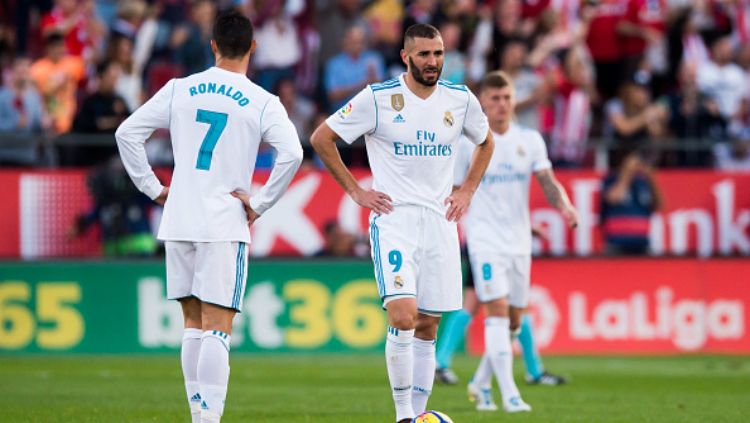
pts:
pixel 398 282
pixel 521 152
pixel 397 102
pixel 448 119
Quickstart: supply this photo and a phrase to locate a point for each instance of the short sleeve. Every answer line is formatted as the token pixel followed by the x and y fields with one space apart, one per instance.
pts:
pixel 540 161
pixel 475 122
pixel 463 160
pixel 356 118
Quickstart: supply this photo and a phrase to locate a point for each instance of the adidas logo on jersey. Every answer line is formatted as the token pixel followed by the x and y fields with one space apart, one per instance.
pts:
pixel 399 119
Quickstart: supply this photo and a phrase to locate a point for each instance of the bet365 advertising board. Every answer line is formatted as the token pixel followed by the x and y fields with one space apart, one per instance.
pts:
pixel 589 306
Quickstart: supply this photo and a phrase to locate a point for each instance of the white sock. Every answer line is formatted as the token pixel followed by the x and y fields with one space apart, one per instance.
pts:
pixel 399 359
pixel 191 349
pixel 483 375
pixel 500 354
pixel 424 373
pixel 213 374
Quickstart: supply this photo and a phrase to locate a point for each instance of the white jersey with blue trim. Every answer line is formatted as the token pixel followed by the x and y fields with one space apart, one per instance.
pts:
pixel 217 120
pixel 411 142
pixel 498 219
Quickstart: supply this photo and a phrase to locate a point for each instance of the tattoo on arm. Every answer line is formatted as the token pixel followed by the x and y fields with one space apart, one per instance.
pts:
pixel 552 190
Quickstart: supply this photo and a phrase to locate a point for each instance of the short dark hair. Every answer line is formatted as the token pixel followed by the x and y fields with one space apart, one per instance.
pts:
pixel 103 66
pixel 495 79
pixel 420 31
pixel 54 37
pixel 233 34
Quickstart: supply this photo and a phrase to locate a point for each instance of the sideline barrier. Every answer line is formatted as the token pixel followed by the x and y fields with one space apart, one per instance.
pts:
pixel 581 306
pixel 705 213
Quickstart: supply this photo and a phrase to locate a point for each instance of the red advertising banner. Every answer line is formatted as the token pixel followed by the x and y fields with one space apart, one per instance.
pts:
pixel 705 213
pixel 637 306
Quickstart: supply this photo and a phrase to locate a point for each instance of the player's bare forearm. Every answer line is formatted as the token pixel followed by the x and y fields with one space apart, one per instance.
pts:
pixel 480 159
pixel 556 196
pixel 323 141
pixel 459 200
pixel 553 191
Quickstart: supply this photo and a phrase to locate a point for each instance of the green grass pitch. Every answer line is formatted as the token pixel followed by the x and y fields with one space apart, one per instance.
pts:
pixel 353 388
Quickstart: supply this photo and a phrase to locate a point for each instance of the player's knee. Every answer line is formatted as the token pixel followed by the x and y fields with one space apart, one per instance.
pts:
pixel 403 319
pixel 426 330
pixel 497 308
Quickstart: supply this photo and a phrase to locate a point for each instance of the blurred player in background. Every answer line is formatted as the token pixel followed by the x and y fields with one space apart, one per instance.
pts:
pixel 498 235
pixel 455 331
pixel 412 125
pixel 217 119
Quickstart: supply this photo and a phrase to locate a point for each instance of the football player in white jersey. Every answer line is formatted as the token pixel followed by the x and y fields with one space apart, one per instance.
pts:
pixel 411 126
pixel 498 234
pixel 217 119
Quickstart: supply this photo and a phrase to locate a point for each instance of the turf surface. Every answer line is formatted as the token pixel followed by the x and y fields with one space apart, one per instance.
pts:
pixel 349 388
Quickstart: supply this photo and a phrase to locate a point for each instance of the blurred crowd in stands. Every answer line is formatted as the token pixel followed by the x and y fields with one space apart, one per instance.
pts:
pixel 654 76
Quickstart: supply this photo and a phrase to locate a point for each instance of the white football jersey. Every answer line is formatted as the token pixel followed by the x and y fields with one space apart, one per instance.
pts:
pixel 498 218
pixel 217 120
pixel 411 142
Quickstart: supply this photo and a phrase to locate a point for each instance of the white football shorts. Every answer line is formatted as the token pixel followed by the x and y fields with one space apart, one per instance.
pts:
pixel 415 253
pixel 213 272
pixel 498 276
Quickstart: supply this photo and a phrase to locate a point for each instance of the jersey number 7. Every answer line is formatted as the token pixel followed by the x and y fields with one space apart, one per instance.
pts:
pixel 218 122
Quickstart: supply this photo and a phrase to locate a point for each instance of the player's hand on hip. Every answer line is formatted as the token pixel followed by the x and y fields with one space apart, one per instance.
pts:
pixel 252 215
pixel 162 198
pixel 458 202
pixel 571 216
pixel 373 200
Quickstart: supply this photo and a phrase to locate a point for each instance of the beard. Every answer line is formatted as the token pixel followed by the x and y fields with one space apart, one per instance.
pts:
pixel 418 74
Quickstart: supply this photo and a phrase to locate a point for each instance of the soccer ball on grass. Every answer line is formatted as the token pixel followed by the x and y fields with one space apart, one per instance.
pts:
pixel 432 417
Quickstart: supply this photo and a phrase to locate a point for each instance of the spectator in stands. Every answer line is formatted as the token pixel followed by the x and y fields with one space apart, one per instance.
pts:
pixel 420 11
pixel 530 88
pixel 130 16
pixel 129 84
pixel 734 155
pixel 508 25
pixel 642 32
pixel 121 211
pixel 351 70
pixel 600 17
pixel 21 107
pixel 572 103
pixel 191 42
pixel 723 81
pixel 337 241
pixel 104 110
pixel 693 117
pixel 77 22
pixel 550 38
pixel 454 64
pixel 385 21
pixel 57 76
pixel 333 22
pixel 629 197
pixel 685 43
pixel 633 119
pixel 301 111
pixel 279 48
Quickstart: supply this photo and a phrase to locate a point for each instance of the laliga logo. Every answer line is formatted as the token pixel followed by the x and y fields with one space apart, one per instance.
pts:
pixel 546 315
pixel 687 323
